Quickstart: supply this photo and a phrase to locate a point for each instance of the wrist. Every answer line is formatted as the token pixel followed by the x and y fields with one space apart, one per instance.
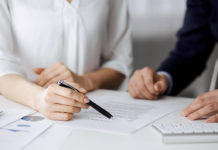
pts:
pixel 38 95
pixel 90 84
pixel 168 78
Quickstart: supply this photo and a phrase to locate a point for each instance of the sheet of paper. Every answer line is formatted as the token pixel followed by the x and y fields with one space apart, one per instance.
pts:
pixel 17 135
pixel 51 139
pixel 11 111
pixel 9 116
pixel 128 115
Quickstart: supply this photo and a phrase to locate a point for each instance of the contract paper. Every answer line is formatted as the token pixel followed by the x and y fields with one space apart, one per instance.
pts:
pixel 129 114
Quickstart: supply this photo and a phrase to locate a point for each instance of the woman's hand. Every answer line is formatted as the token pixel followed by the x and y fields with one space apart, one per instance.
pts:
pixel 204 105
pixel 56 72
pixel 59 103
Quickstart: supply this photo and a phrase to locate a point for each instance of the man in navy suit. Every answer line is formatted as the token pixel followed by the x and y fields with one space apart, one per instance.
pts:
pixel 196 41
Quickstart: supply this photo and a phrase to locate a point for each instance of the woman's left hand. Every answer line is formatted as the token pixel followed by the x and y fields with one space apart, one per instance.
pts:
pixel 55 73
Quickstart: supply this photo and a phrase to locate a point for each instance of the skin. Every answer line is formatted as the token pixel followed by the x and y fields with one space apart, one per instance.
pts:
pixel 147 84
pixel 103 78
pixel 203 105
pixel 53 101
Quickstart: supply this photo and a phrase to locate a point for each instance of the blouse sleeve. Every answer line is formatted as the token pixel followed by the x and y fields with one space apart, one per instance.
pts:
pixel 9 63
pixel 118 51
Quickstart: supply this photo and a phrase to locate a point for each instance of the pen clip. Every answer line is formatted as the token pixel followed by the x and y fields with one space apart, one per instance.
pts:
pixel 92 104
pixel 61 82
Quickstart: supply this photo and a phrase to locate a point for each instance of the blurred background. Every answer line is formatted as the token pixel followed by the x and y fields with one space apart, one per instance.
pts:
pixel 155 24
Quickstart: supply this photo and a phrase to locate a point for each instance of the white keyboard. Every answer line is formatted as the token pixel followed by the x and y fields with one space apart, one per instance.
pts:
pixel 176 129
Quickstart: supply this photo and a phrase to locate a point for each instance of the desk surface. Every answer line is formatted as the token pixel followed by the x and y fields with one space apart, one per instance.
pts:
pixel 146 138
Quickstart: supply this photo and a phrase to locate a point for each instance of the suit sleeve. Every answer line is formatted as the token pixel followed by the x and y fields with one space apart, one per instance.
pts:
pixel 193 48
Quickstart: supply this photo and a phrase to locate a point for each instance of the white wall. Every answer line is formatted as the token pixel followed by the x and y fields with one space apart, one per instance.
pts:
pixel 155 18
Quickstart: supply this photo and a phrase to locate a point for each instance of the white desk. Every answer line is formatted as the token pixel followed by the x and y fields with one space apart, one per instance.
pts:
pixel 146 138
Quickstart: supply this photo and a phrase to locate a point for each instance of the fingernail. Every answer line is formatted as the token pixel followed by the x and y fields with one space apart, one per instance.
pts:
pixel 87 106
pixel 82 89
pixel 86 100
pixel 190 117
pixel 183 114
pixel 207 121
pixel 158 87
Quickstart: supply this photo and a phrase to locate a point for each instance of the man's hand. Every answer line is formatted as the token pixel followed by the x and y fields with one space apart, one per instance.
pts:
pixel 204 105
pixel 56 72
pixel 147 84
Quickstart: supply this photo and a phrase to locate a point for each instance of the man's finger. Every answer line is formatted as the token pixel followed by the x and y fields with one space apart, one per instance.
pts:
pixel 148 76
pixel 131 90
pixel 139 88
pixel 144 93
pixel 160 86
pixel 212 119
pixel 208 109
pixel 198 103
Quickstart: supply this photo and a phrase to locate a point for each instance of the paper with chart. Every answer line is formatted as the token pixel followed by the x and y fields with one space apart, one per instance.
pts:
pixel 128 115
pixel 18 134
pixel 52 139
pixel 11 111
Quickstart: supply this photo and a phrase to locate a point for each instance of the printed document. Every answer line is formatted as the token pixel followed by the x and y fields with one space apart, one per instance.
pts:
pixel 129 114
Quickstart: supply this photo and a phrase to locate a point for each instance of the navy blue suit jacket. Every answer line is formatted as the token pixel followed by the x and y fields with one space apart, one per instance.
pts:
pixel 195 43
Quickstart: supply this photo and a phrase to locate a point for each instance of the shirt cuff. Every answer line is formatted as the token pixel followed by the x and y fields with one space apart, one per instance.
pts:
pixel 170 87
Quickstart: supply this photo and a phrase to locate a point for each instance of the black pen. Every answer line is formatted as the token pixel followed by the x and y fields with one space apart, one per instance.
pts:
pixel 91 103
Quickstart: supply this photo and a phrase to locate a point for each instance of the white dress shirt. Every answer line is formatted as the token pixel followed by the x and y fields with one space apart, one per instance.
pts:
pixel 85 35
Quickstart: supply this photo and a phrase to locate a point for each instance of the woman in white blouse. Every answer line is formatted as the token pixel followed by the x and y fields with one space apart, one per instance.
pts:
pixel 85 42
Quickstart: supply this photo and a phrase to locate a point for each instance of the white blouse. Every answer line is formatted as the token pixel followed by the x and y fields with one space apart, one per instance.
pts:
pixel 85 35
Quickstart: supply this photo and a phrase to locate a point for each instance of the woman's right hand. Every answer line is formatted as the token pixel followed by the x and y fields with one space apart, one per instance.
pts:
pixel 60 103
